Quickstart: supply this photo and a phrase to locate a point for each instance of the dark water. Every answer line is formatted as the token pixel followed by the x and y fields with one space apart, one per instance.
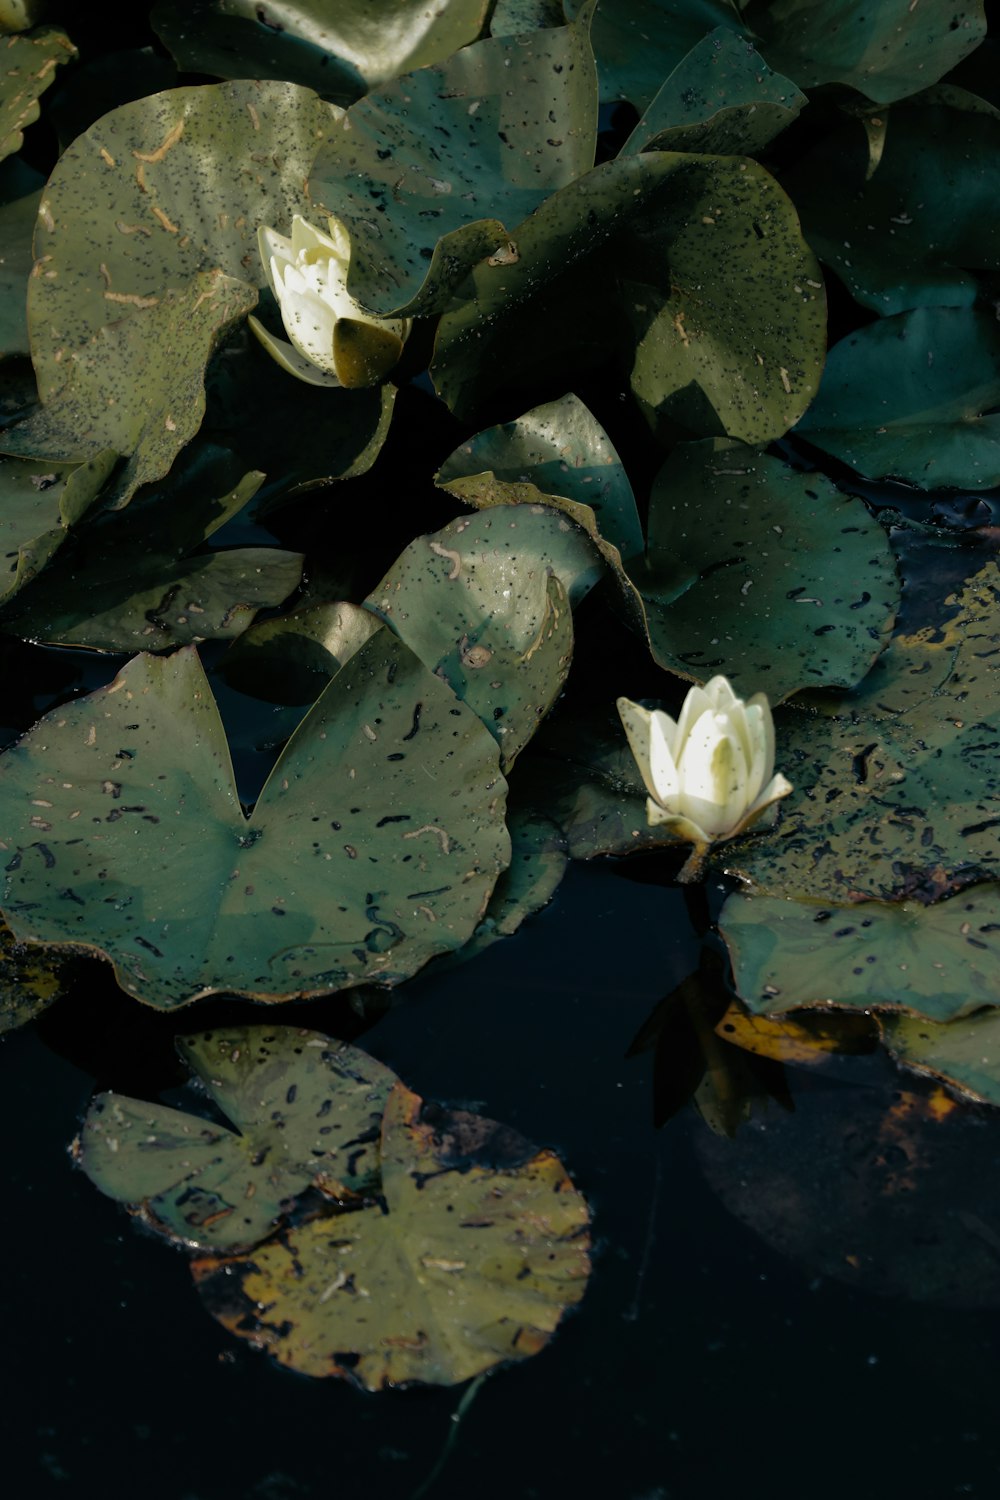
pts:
pixel 701 1362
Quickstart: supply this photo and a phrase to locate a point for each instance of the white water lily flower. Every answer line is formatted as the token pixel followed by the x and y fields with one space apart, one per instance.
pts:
pixel 710 775
pixel 333 340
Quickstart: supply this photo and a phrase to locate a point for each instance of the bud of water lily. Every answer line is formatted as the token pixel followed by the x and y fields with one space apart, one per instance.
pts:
pixel 333 340
pixel 710 775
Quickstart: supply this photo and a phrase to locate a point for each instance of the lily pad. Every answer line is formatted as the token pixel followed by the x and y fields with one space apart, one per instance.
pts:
pixel 768 575
pixel 289 660
pixel 911 395
pixel 485 604
pixel 340 48
pixel 40 502
pixel 305 1112
pixel 707 291
pixel 721 99
pixel 374 845
pixel 885 51
pixel 28 63
pixel 146 243
pixel 919 229
pixel 512 17
pixel 897 788
pixel 20 195
pixel 965 1054
pixel 559 449
pixel 137 582
pixel 639 42
pixel 937 961
pixel 478 1247
pixel 423 170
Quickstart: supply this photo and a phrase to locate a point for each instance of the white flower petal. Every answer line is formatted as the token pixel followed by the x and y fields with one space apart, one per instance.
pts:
pixel 719 692
pixel 713 776
pixel 760 745
pixel 637 723
pixel 759 700
pixel 290 359
pixel 273 247
pixel 695 704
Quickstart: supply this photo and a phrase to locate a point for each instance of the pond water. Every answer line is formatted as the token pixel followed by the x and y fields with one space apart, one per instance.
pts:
pixel 729 1336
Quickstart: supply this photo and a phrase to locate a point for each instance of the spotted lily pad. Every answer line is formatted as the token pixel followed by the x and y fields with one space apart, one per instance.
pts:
pixel 374 845
pixel 28 65
pixel 20 195
pixel 478 1245
pixel 937 961
pixel 768 575
pixel 305 1112
pixel 147 251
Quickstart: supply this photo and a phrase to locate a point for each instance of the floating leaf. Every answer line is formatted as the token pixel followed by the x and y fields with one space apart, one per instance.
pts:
pixel 478 1247
pixel 20 192
pixel 638 42
pixel 290 659
pixel 136 581
pixel 29 63
pixel 938 961
pixel 38 504
pixel 706 289
pixel 722 99
pixel 910 396
pixel 770 576
pixel 561 450
pixel 147 246
pixel 885 51
pixel 485 604
pixel 374 845
pixel 340 48
pixel 916 232
pixel 512 17
pixel 510 118
pixel 965 1054
pixel 897 787
pixel 305 1112
pixel 31 979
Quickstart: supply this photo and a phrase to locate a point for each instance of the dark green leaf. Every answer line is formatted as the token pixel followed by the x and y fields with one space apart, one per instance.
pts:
pixel 29 66
pixel 638 42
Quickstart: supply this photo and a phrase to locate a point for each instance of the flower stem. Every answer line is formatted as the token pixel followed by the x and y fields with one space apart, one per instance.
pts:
pixel 692 867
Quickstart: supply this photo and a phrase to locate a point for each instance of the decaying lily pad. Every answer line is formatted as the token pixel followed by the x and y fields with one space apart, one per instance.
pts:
pixel 31 979
pixel 305 1112
pixel 374 845
pixel 478 1245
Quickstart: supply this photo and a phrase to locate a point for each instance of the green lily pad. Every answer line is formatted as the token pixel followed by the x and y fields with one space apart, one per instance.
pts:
pixel 340 48
pixel 910 396
pixel 706 289
pixel 896 785
pixel 136 581
pixel 289 660
pixel 146 241
pixel 374 845
pixel 28 66
pixel 965 1054
pixel 721 99
pixel 916 232
pixel 770 576
pixel 423 170
pixel 20 195
pixel 31 979
pixel 559 449
pixel 639 42
pixel 478 1247
pixel 937 961
pixel 885 51
pixel 513 17
pixel 305 1112
pixel 39 502
pixel 485 604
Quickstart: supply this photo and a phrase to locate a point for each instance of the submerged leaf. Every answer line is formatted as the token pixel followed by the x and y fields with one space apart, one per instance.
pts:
pixel 478 1247
pixel 305 1112
pixel 374 845
pixel 31 979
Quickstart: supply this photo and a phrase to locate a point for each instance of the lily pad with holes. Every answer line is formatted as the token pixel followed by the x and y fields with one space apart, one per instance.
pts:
pixel 771 576
pixel 913 397
pixel 340 48
pixel 477 1249
pixel 139 581
pixel 896 785
pixel 485 604
pixel 708 294
pixel 147 247
pixel 722 99
pixel 28 63
pixel 305 1112
pixel 430 173
pixel 374 845
pixel 938 961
